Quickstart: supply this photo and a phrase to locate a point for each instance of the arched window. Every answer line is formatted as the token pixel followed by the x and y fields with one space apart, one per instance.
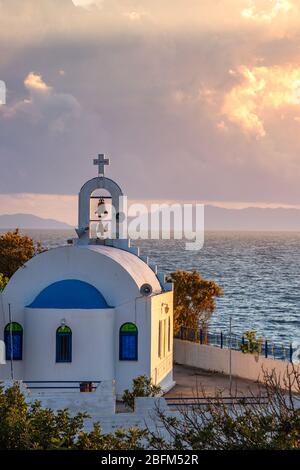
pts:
pixel 13 338
pixel 63 344
pixel 128 342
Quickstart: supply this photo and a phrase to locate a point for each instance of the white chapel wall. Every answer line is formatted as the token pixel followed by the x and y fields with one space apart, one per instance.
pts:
pixel 92 346
pixel 138 312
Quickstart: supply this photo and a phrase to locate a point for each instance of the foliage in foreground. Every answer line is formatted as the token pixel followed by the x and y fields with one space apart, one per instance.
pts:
pixel 270 420
pixel 24 426
pixel 3 281
pixel 194 299
pixel 16 250
pixel 142 386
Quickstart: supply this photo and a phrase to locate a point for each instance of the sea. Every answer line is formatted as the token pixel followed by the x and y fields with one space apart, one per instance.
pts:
pixel 258 271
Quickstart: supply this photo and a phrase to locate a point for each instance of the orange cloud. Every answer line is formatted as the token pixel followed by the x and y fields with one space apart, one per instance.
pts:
pixel 266 10
pixel 263 89
pixel 34 81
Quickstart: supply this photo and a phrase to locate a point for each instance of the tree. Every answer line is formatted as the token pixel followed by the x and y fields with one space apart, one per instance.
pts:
pixel 3 281
pixel 269 420
pixel 194 299
pixel 24 427
pixel 142 386
pixel 15 250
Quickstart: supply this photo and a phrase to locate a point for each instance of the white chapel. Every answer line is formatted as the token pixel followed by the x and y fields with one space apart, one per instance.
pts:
pixel 91 312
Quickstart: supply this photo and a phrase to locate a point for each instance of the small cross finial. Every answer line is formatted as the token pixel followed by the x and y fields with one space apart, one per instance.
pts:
pixel 101 161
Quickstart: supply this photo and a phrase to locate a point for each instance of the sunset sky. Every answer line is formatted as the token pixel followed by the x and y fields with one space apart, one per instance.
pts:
pixel 191 99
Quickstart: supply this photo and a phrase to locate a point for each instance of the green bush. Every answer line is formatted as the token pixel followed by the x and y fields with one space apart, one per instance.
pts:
pixel 252 345
pixel 3 281
pixel 29 426
pixel 141 387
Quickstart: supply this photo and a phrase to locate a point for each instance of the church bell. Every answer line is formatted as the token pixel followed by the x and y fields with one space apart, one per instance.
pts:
pixel 101 208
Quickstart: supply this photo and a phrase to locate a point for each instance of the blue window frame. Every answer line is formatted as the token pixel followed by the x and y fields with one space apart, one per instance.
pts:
pixel 128 350
pixel 13 336
pixel 63 344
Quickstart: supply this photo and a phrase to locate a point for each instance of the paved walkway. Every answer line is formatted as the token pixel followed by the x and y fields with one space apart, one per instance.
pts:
pixel 189 380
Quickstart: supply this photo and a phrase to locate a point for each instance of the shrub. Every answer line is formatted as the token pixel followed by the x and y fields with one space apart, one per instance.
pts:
pixel 3 281
pixel 252 344
pixel 29 426
pixel 141 387
pixel 269 420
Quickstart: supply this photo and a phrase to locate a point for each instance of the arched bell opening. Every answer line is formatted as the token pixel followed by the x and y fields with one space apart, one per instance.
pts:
pixel 101 214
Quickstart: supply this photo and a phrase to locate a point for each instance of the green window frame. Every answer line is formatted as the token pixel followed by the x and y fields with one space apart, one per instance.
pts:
pixel 64 344
pixel 128 342
pixel 13 339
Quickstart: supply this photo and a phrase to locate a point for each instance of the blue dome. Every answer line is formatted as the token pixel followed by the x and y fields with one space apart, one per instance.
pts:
pixel 69 293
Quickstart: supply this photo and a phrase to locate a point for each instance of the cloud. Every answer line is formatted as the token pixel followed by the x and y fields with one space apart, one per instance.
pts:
pixel 154 93
pixel 34 81
pixel 83 3
pixel 44 105
pixel 267 10
pixel 135 15
pixel 262 91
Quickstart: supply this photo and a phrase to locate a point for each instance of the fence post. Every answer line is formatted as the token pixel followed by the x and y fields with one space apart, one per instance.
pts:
pixel 266 349
pixel 291 352
pixel 201 336
pixel 221 339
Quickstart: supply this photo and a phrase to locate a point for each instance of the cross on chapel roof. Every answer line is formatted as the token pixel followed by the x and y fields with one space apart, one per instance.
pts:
pixel 101 161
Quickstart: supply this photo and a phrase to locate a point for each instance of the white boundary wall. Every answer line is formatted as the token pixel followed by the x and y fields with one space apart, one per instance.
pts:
pixel 246 366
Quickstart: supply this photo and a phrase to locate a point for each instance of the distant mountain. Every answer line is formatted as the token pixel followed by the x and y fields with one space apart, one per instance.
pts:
pixel 30 221
pixel 252 218
pixel 216 218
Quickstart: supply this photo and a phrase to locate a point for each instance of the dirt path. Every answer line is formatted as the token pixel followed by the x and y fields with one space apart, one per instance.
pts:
pixel 189 379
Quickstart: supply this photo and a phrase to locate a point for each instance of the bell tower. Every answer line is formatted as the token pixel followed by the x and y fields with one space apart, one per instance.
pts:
pixel 99 208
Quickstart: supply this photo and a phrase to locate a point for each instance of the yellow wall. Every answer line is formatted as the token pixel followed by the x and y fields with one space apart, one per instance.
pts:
pixel 161 364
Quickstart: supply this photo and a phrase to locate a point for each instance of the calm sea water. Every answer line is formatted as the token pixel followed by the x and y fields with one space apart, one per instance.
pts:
pixel 259 272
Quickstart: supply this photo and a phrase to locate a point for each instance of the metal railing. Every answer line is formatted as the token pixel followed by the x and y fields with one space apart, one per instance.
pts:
pixel 264 347
pixel 205 401
pixel 82 385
